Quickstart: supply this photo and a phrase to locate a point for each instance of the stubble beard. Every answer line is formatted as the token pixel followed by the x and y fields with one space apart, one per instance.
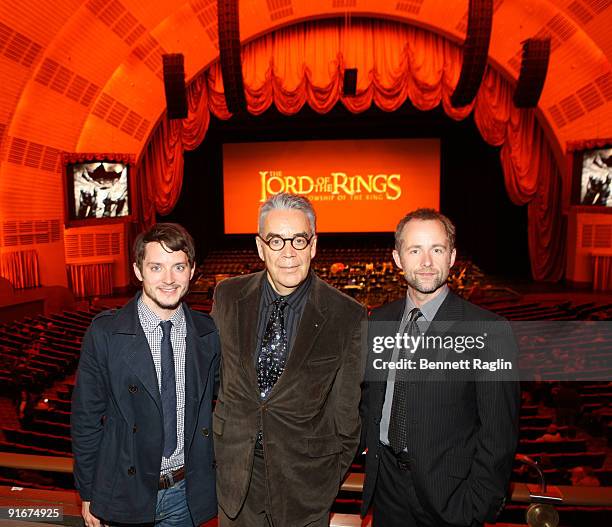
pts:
pixel 426 289
pixel 167 305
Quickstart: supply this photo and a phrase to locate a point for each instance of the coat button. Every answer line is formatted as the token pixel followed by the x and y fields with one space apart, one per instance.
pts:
pixel 132 388
pixel 131 471
pixel 135 429
pixel 205 432
pixel 214 465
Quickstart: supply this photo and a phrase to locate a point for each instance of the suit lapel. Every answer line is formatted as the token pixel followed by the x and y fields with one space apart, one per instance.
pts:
pixel 248 311
pixel 449 313
pixel 391 320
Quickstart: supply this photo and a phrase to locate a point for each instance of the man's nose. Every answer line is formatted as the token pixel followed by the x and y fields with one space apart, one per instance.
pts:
pixel 426 260
pixel 288 251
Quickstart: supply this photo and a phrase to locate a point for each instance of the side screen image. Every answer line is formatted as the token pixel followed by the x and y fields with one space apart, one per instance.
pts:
pixel 354 185
pixel 99 190
pixel 596 177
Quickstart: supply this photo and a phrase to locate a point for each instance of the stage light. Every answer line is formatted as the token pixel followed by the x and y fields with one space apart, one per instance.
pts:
pixel 534 66
pixel 475 52
pixel 174 85
pixel 230 57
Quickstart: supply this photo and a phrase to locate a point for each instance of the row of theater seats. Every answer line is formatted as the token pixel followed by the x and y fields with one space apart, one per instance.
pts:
pixel 567 310
pixel 49 433
pixel 567 350
pixel 36 352
pixel 367 274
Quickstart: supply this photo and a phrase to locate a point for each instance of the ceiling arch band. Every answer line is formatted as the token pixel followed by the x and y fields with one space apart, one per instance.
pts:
pixel 86 75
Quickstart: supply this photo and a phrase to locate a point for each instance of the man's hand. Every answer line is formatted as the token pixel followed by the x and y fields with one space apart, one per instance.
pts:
pixel 89 519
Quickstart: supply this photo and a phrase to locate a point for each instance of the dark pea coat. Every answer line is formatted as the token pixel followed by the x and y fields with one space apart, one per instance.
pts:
pixel 117 426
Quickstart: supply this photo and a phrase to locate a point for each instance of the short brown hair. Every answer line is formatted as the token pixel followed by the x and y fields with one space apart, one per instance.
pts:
pixel 425 215
pixel 170 235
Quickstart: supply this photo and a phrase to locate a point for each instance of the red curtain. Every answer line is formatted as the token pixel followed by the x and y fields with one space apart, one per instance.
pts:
pixel 21 268
pixel 90 279
pixel 160 171
pixel 602 272
pixel 305 65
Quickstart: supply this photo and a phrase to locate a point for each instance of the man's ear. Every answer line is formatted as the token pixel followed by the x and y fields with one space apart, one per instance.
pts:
pixel 193 268
pixel 396 259
pixel 313 246
pixel 260 249
pixel 453 256
pixel 137 272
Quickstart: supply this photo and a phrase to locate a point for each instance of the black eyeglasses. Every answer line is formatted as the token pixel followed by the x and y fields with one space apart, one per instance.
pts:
pixel 276 243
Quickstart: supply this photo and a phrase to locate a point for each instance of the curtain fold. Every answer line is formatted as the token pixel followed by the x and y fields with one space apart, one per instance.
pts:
pixel 21 268
pixel 602 272
pixel 305 64
pixel 90 279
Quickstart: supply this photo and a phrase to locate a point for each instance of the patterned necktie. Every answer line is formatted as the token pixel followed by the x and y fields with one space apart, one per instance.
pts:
pixel 168 389
pixel 274 347
pixel 398 429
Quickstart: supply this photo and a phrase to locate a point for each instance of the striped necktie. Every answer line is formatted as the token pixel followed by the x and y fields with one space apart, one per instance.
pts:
pixel 398 423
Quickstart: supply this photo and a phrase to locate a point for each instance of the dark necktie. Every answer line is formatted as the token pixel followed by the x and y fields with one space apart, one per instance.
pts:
pixel 273 351
pixel 168 389
pixel 398 429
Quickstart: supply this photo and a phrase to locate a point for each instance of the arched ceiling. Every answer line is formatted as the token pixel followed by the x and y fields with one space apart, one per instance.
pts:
pixel 86 76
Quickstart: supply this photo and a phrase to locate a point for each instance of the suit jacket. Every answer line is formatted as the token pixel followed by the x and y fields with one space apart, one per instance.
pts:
pixel 462 433
pixel 310 420
pixel 117 426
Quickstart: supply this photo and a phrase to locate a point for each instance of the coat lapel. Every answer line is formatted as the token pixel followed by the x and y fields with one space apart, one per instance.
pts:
pixel 199 355
pixel 135 350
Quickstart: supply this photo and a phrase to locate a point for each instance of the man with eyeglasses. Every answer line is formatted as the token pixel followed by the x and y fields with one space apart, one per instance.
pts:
pixel 286 425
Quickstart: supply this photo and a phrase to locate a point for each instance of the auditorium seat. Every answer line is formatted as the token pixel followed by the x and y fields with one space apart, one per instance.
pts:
pixel 39 440
pixel 531 447
pixel 535 420
pixel 571 460
pixel 19 448
pixel 533 432
pixel 55 416
pixel 49 427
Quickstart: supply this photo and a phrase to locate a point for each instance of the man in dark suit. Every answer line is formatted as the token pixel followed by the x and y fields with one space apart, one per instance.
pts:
pixel 142 403
pixel 286 423
pixel 440 452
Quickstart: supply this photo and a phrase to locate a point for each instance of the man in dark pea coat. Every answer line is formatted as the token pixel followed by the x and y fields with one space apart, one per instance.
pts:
pixel 142 403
